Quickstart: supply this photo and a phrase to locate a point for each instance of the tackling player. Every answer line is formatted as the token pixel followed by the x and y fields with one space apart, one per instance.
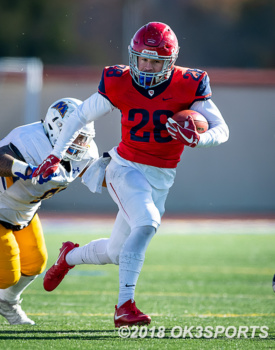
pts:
pixel 142 169
pixel 23 253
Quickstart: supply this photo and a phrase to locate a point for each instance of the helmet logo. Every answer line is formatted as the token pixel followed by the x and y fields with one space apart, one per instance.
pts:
pixel 62 108
pixel 151 92
pixel 149 52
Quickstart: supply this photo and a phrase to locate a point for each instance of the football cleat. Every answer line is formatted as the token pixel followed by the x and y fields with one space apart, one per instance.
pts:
pixel 59 270
pixel 273 283
pixel 129 315
pixel 13 313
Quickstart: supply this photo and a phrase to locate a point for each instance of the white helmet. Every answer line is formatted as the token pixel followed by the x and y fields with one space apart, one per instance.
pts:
pixel 57 114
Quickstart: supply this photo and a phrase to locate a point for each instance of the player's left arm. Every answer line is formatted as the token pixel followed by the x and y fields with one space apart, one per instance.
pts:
pixel 218 131
pixel 200 85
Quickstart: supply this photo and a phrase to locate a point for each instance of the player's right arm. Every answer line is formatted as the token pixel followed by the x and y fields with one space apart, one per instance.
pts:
pixel 11 165
pixel 90 110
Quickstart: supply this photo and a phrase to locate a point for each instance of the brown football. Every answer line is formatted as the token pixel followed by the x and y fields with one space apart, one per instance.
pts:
pixel 200 121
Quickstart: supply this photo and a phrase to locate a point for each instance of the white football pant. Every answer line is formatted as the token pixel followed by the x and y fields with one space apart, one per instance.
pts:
pixel 139 204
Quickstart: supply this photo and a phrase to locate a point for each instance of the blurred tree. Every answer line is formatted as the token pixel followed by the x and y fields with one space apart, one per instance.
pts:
pixel 255 34
pixel 227 33
pixel 36 28
pixel 235 33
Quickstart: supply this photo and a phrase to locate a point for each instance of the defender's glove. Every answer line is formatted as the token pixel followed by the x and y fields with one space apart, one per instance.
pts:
pixel 46 170
pixel 22 169
pixel 188 134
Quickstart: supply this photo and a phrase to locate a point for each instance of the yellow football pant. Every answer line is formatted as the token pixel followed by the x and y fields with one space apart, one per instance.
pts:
pixel 22 252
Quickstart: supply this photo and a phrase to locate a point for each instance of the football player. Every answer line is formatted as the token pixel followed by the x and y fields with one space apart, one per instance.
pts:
pixel 23 252
pixel 142 169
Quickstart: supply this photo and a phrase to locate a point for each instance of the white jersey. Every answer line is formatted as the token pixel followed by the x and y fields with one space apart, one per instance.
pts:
pixel 19 199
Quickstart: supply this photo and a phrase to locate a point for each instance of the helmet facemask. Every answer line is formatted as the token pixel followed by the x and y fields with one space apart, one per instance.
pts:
pixel 154 41
pixel 79 147
pixel 149 80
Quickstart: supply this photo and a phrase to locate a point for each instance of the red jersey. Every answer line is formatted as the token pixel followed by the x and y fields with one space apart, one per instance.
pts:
pixel 144 112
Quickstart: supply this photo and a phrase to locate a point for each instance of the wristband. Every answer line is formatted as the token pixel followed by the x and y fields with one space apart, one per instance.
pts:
pixel 19 167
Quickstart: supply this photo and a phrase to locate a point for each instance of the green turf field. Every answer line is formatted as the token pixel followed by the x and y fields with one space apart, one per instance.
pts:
pixel 191 280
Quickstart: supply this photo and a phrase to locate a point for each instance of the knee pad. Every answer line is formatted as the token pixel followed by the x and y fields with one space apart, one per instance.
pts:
pixel 147 215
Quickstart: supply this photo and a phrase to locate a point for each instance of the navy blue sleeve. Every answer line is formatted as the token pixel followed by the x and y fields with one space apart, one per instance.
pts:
pixel 101 86
pixel 204 89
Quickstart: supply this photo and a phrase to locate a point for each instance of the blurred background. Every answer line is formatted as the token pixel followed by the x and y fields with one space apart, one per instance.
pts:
pixel 59 48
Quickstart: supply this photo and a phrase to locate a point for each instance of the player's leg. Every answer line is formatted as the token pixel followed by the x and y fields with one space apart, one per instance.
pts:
pixel 98 252
pixel 28 257
pixel 33 255
pixel 10 269
pixel 104 250
pixel 134 197
pixel 9 274
pixel 131 260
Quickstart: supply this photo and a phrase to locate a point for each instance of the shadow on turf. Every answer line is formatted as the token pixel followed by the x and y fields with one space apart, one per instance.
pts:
pixel 59 334
pixel 110 333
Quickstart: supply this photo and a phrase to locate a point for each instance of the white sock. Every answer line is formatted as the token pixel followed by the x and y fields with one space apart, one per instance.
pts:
pixel 13 293
pixel 130 265
pixel 131 261
pixel 94 252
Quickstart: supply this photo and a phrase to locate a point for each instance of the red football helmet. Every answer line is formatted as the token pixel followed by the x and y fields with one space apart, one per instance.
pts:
pixel 155 40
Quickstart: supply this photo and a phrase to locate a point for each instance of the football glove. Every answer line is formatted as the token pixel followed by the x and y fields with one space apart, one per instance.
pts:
pixel 188 134
pixel 25 176
pixel 46 170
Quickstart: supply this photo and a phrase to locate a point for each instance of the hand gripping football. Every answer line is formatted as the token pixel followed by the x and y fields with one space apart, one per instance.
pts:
pixel 200 121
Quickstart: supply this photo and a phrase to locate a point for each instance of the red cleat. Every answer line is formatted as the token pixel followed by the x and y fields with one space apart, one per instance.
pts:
pixel 129 315
pixel 59 270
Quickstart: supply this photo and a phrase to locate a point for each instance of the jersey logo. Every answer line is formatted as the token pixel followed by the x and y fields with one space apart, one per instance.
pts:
pixel 76 170
pixel 151 92
pixel 62 108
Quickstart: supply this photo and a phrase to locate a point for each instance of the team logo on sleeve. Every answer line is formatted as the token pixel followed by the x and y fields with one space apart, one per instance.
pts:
pixel 62 108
